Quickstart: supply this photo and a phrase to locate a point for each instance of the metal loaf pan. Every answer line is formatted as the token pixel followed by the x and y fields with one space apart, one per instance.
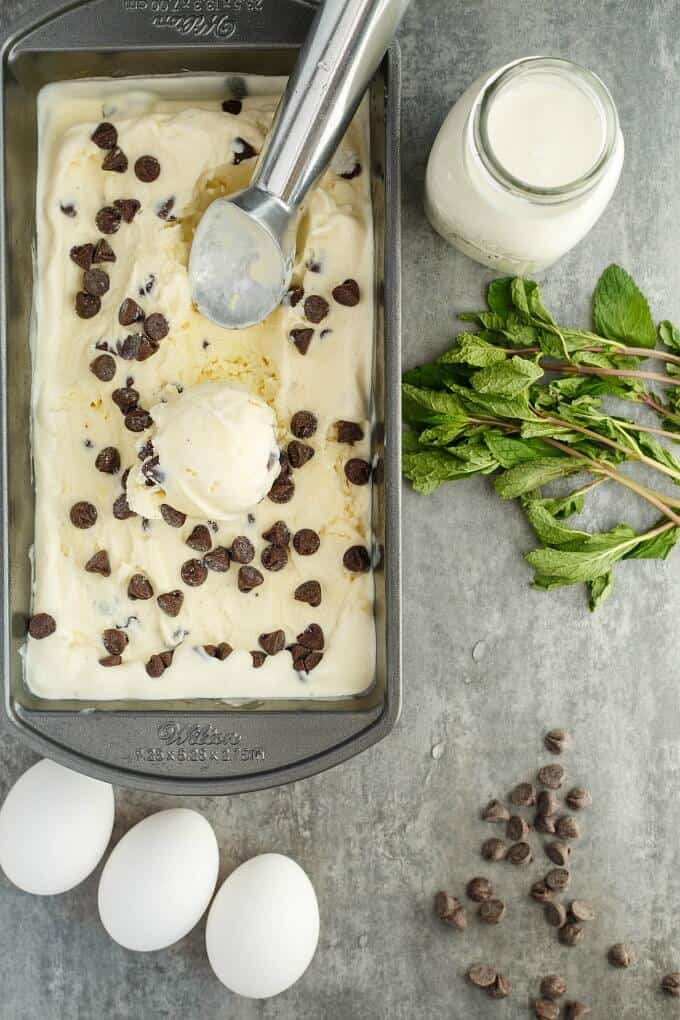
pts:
pixel 201 746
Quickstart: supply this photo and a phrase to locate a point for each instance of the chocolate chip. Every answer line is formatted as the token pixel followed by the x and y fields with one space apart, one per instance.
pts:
pixel 357 559
pixel 167 658
pixel 242 550
pixel 492 911
pixel 194 573
pixel 312 638
pixel 175 518
pixel 559 853
pixel 278 534
pixel 547 803
pixel 108 219
pixel 140 587
pixel 82 254
pixel 545 824
pixel 516 829
pixel 128 349
pixel 111 660
pixel 578 798
pixel 242 150
pixel 146 348
pixel 258 659
pixel 449 910
pixel 349 175
pixel 103 252
pixel 147 169
pixel 479 889
pixel 520 854
pixel 273 643
pixel 155 667
pixel 283 489
pixel 232 106
pixel 105 136
pixel 347 293
pixel 171 602
pixel 87 305
pixel 316 308
pixel 309 592
pixel 147 286
pixel 567 827
pixel 302 338
pixel 138 419
pixel 83 515
pixel 221 651
pixel 218 560
pixel 96 282
pixel 116 161
pixel 552 776
pixel 523 795
pixel 558 879
pixel 500 989
pixel 576 1011
pixel 670 984
pixel 557 740
pixel 121 508
pixel 304 661
pixel 164 210
pixel 130 312
pixel 495 811
pixel 555 914
pixel 41 626
pixel 581 910
pixel 200 539
pixel 128 208
pixel 104 367
pixel 156 326
pixel 125 398
pixel 274 557
pixel 621 955
pixel 115 641
pixel 358 471
pixel 481 976
pixel 546 1010
pixel 68 209
pixel 494 849
pixel 306 542
pixel 572 934
pixel 99 564
pixel 540 892
pixel 108 461
pixel 299 453
pixel 349 432
pixel 553 986
pixel 295 295
pixel 249 578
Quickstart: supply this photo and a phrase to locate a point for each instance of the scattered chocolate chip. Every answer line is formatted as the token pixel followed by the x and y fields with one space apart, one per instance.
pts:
pixel 108 461
pixel 304 661
pixel 83 515
pixel 520 854
pixel 140 587
pixel 302 338
pixel 111 660
pixel 218 560
pixel 517 829
pixel 200 539
pixel 96 282
pixel 171 602
pixel 349 175
pixel 481 976
pixel 87 305
pixel 128 208
pixel 552 776
pixel 116 161
pixel 283 489
pixel 130 312
pixel 233 106
pixel 146 348
pixel 221 651
pixel 258 659
pixel 306 542
pixel 128 349
pixel 558 853
pixel 546 1010
pixel 121 508
pixel 242 550
pixel 156 326
pixel 68 210
pixel 99 563
pixel 194 573
pixel 41 626
pixel 249 578
pixel 567 827
pixel 557 740
pixel 313 265
pixel 547 803
pixel 544 824
pixel 558 879
pixel 115 641
pixel 523 795
pixel 449 910
pixel 155 667
pixel 621 955
pixel 347 293
pixel 274 557
pixel 670 984
pixel 138 419
pixel 103 367
pixel 299 453
pixel 479 889
pixel 108 219
pixel 357 559
pixel 316 308
pixel 500 989
pixel 82 254
pixel 105 136
pixel 576 1011
pixel 278 534
pixel 494 849
pixel 147 286
pixel 348 432
pixel 175 518
pixel 167 658
pixel 164 210
pixel 125 398
pixel 581 910
pixel 572 934
pixel 555 914
pixel 578 798
pixel 553 986
pixel 303 424
pixel 540 892
pixel 103 252
pixel 492 911
pixel 309 592
pixel 273 643
pixel 495 811
pixel 295 294
pixel 242 150
pixel 312 638
pixel 147 169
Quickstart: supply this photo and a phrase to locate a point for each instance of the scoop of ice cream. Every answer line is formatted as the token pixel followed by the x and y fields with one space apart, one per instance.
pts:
pixel 213 454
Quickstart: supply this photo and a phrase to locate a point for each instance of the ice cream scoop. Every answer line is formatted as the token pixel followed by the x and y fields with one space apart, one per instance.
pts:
pixel 213 454
pixel 242 252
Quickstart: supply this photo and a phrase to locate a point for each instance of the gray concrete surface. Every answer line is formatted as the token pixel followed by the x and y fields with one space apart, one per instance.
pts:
pixel 379 835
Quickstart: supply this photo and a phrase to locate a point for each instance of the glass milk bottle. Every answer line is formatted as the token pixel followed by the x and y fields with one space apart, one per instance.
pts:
pixel 525 164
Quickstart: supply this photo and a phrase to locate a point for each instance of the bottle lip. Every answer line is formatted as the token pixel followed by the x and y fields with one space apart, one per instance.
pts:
pixel 493 165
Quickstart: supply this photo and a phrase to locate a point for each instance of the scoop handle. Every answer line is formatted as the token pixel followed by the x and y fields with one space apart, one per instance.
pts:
pixel 343 49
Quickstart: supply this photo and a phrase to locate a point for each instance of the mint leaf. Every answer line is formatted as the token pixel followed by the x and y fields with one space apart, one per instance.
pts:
pixel 548 529
pixel 472 350
pixel 669 335
pixel 428 469
pixel 511 452
pixel 600 589
pixel 499 295
pixel 507 379
pixel 620 310
pixel 656 548
pixel 595 557
pixel 432 406
pixel 519 480
pixel 563 506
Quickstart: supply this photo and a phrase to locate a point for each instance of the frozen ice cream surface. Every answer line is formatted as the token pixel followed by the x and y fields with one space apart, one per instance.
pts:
pixel 202 524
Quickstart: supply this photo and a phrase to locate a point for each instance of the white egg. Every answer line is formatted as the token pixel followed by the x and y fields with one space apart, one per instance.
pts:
pixel 159 879
pixel 55 825
pixel 263 927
